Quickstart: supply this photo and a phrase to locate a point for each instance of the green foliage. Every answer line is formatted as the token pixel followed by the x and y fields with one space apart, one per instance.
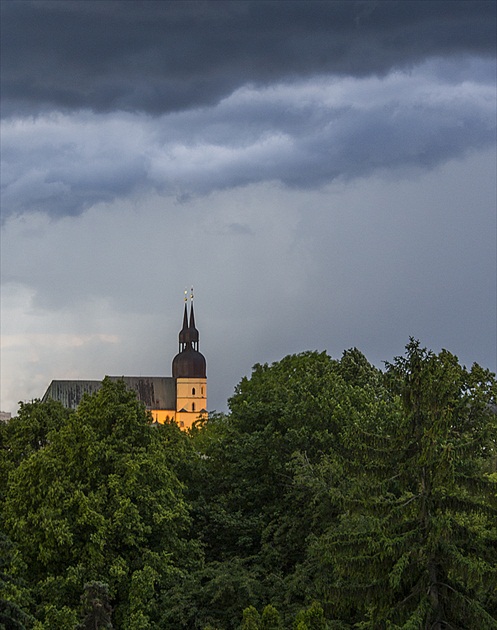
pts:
pixel 251 619
pixel 294 406
pixel 415 543
pixel 270 619
pixel 331 496
pixel 27 433
pixel 249 499
pixel 30 430
pixel 97 610
pixel 55 618
pixel 100 502
pixel 311 618
pixel 14 596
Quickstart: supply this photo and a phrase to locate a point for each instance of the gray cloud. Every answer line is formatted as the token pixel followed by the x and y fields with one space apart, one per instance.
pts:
pixel 166 56
pixel 304 135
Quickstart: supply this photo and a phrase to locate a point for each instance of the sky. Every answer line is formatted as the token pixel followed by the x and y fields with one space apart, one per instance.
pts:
pixel 323 174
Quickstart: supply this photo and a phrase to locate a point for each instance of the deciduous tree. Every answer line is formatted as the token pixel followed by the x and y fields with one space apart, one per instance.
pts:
pixel 100 501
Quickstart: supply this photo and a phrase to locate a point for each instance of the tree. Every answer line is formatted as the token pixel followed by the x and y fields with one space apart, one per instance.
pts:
pixel 27 433
pixel 100 502
pixel 416 542
pixel 311 618
pixel 271 619
pixel 251 619
pixel 14 596
pixel 252 516
pixel 96 607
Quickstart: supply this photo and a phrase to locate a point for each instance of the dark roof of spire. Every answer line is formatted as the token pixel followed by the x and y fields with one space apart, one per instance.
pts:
pixel 193 331
pixel 189 364
pixel 183 335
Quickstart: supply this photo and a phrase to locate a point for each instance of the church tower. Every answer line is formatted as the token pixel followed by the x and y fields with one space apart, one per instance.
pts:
pixel 181 397
pixel 189 372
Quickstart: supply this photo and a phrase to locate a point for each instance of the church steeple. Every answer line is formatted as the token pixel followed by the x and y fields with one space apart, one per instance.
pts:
pixel 193 332
pixel 183 335
pixel 189 362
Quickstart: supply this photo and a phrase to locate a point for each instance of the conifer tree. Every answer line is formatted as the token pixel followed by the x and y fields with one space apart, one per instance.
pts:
pixel 416 544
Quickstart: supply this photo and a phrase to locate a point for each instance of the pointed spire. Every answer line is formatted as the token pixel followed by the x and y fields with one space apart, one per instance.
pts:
pixel 185 318
pixel 192 331
pixel 183 335
pixel 192 316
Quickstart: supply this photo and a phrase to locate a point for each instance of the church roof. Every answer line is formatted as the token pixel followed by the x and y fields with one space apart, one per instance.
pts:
pixel 70 393
pixel 156 392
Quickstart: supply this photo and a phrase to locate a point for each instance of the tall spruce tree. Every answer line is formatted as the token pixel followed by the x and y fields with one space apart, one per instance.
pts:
pixel 416 543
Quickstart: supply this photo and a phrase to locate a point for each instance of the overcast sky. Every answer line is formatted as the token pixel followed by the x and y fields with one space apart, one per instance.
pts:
pixel 323 173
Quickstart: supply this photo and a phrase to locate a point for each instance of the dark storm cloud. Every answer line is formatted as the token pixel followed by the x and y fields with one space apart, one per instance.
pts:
pixel 165 56
pixel 303 135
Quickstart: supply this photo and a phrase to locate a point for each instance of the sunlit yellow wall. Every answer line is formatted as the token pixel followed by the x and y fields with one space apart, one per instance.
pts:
pixel 185 419
pixel 191 395
pixel 163 415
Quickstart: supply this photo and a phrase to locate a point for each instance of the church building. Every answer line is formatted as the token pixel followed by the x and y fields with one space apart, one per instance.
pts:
pixel 181 397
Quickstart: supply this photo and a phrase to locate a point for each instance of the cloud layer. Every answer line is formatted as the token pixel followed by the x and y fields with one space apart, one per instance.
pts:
pixel 167 56
pixel 303 134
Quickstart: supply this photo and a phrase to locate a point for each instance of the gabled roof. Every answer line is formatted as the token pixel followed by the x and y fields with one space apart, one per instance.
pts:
pixel 156 392
pixel 70 393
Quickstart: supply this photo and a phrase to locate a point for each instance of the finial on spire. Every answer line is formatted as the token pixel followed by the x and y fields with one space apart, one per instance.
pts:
pixel 186 295
pixel 191 295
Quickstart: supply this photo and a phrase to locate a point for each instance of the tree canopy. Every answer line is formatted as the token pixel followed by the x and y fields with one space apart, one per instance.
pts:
pixel 100 501
pixel 332 495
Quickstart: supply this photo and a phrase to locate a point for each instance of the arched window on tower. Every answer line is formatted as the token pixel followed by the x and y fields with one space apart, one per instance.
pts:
pixel 193 406
pixel 193 391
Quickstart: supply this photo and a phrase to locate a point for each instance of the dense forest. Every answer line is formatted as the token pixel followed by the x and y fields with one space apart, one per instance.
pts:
pixel 332 495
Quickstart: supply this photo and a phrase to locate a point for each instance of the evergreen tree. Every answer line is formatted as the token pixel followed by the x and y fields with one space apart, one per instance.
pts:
pixel 416 543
